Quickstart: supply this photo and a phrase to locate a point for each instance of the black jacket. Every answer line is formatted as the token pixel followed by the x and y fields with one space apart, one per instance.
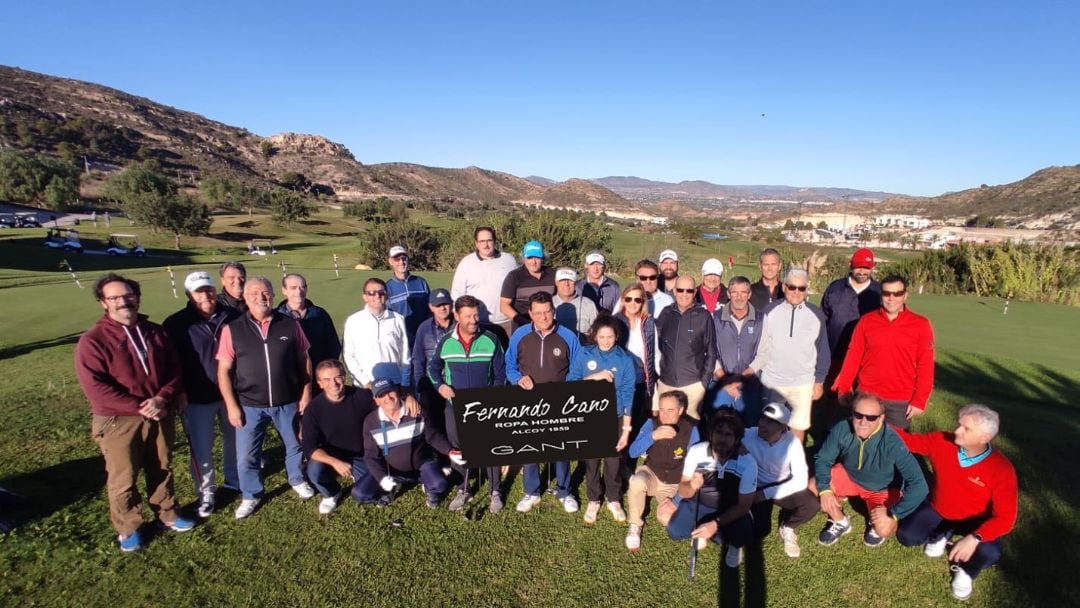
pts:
pixel 196 339
pixel 687 345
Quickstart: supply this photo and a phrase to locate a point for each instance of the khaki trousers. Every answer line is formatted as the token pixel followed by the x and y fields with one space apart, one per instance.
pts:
pixel 643 484
pixel 131 444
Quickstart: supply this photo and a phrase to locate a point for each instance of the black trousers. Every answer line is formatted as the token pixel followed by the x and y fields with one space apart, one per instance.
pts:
pixel 608 486
pixel 795 510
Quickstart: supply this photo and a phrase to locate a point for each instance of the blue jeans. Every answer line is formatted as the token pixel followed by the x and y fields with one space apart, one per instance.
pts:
pixel 325 478
pixel 430 474
pixel 924 525
pixel 531 478
pixel 249 443
pixel 199 424
pixel 737 534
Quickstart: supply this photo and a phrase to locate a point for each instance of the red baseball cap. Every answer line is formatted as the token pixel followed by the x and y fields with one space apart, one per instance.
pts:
pixel 863 258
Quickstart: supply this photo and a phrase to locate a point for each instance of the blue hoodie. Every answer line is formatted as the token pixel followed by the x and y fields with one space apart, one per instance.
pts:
pixel 591 360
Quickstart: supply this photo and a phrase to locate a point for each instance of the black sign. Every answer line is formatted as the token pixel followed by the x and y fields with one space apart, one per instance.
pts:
pixel 509 425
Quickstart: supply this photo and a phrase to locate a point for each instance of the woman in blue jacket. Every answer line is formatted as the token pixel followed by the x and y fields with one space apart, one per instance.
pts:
pixel 603 359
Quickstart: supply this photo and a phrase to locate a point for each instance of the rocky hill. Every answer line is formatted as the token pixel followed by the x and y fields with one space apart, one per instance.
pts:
pixel 1048 198
pixel 105 129
pixel 640 189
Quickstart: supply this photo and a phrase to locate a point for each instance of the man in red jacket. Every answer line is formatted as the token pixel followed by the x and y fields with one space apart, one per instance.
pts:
pixel 973 493
pixel 130 373
pixel 891 355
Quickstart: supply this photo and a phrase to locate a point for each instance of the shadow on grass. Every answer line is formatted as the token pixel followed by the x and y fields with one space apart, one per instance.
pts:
pixel 53 488
pixel 733 590
pixel 1039 412
pixel 22 349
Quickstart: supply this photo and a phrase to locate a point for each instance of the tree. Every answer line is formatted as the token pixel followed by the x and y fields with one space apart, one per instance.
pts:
pixel 136 182
pixel 287 207
pixel 61 191
pixel 267 149
pixel 25 177
pixel 183 215
pixel 295 181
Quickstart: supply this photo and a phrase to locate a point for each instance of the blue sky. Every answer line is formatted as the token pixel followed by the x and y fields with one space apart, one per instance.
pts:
pixel 913 97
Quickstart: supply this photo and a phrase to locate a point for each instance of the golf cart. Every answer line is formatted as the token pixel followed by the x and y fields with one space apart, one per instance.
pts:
pixel 7 220
pixel 68 240
pixel 132 248
pixel 261 247
pixel 27 219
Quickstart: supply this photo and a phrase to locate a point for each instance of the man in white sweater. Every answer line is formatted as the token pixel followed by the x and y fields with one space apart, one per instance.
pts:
pixel 481 274
pixel 782 477
pixel 375 335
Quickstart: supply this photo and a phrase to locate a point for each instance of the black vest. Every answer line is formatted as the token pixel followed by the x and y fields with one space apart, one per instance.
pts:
pixel 717 493
pixel 266 372
pixel 666 457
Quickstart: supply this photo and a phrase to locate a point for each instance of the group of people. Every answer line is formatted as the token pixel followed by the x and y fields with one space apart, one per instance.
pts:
pixel 714 389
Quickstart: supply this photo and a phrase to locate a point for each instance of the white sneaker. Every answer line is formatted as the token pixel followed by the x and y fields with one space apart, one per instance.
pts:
pixel 961 583
pixel 569 503
pixel 591 512
pixel 206 504
pixel 304 490
pixel 328 504
pixel 791 541
pixel 633 538
pixel 527 503
pixel 616 511
pixel 247 507
pixel 733 557
pixel 937 548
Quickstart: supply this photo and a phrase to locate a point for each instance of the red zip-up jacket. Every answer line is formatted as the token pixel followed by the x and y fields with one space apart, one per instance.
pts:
pixel 891 359
pixel 987 488
pixel 111 374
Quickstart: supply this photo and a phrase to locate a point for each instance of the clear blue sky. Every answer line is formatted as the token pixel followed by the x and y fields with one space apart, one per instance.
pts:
pixel 913 97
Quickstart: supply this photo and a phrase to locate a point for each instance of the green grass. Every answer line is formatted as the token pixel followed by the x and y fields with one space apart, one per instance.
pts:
pixel 1024 363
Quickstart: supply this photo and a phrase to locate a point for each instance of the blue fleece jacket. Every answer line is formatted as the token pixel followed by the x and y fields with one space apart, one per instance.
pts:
pixel 591 360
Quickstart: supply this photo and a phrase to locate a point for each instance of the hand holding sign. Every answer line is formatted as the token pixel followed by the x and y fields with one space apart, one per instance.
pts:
pixel 526 383
pixel 455 457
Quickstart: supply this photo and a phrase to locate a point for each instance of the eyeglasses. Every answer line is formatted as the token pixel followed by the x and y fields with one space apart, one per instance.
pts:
pixel 866 417
pixel 650 277
pixel 795 287
pixel 115 299
pixel 629 299
pixel 485 240
pixel 680 290
pixel 893 294
pixel 376 294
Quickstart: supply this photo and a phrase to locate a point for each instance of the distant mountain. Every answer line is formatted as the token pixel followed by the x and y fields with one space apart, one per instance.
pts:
pixel 1048 198
pixel 574 192
pixel 541 181
pixel 109 128
pixel 637 188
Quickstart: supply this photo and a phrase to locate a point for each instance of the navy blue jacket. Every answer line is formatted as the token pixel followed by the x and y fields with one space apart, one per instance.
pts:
pixel 428 336
pixel 320 331
pixel 842 308
pixel 196 339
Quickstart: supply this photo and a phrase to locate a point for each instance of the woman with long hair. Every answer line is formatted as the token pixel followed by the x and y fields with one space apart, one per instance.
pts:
pixel 638 337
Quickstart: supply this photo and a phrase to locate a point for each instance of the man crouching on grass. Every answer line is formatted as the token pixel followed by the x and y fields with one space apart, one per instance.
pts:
pixel 400 448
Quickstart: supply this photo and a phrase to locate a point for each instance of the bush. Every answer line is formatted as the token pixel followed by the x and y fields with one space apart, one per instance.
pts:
pixel 26 178
pixel 422 242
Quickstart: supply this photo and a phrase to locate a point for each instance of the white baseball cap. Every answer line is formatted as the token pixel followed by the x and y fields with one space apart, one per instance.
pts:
pixel 712 266
pixel 669 254
pixel 778 412
pixel 594 257
pixel 397 250
pixel 566 274
pixel 198 280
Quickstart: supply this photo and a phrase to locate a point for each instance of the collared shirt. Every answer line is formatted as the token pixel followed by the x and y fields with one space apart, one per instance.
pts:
pixel 968 461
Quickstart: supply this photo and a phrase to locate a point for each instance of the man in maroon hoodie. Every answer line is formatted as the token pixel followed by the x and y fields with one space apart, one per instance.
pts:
pixel 130 373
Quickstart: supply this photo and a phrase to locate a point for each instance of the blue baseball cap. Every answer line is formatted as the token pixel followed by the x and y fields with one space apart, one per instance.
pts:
pixel 533 249
pixel 439 296
pixel 382 386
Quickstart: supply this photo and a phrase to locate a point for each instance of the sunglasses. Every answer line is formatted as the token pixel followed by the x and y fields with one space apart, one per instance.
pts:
pixel 629 299
pixel 866 417
pixel 679 290
pixel 893 294
pixel 795 287
pixel 650 277
pixel 376 294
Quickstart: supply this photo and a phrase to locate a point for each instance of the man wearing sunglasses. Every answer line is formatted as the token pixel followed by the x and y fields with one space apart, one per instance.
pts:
pixel 793 352
pixel 687 343
pixel 860 458
pixel 648 274
pixel 891 355
pixel 375 335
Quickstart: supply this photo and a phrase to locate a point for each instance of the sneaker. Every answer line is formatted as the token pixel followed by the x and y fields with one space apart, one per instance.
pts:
pixel 328 504
pixel 459 501
pixel 961 583
pixel 527 503
pixel 131 542
pixel 180 524
pixel 733 557
pixel 496 503
pixel 432 501
pixel 569 503
pixel 935 549
pixel 384 501
pixel 591 512
pixel 247 507
pixel 871 539
pixel 304 490
pixel 791 541
pixel 616 511
pixel 633 538
pixel 833 531
pixel 206 505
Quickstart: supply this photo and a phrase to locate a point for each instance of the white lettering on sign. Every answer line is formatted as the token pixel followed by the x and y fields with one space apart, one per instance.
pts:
pixel 506 450
pixel 584 407
pixel 481 414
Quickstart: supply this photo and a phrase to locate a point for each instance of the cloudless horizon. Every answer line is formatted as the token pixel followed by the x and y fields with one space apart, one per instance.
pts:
pixel 917 98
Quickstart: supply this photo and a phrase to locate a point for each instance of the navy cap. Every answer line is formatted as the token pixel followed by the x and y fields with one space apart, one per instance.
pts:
pixel 382 386
pixel 439 296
